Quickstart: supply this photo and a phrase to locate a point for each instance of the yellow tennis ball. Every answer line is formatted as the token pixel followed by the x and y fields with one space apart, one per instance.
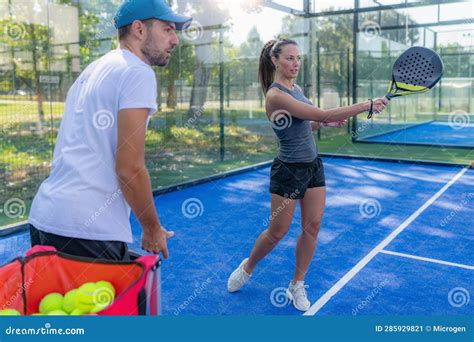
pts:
pixel 10 312
pixel 104 294
pixel 106 284
pixel 69 302
pixel 57 313
pixel 85 297
pixel 76 312
pixel 97 309
pixel 52 301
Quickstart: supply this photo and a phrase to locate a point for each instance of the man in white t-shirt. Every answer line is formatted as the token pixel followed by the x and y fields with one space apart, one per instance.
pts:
pixel 98 172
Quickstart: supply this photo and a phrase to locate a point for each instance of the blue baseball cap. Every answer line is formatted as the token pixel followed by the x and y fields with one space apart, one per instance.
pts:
pixel 131 10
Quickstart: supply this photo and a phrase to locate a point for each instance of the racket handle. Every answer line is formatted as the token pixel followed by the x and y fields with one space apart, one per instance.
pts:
pixel 371 112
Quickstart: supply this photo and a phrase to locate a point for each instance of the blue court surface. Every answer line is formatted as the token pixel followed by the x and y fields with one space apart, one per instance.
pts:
pixel 430 133
pixel 397 239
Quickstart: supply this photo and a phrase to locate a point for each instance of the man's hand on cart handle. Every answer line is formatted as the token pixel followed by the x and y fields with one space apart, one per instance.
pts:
pixel 155 240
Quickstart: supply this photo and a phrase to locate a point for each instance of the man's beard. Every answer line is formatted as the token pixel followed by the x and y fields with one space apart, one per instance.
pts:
pixel 155 57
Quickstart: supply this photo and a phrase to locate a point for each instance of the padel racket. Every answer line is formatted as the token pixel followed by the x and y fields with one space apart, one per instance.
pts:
pixel 416 71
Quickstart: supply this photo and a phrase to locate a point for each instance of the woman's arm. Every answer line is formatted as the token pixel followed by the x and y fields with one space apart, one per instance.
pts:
pixel 277 101
pixel 315 125
pixel 318 125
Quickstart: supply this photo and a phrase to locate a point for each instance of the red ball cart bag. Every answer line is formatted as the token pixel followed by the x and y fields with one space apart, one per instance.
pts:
pixel 43 270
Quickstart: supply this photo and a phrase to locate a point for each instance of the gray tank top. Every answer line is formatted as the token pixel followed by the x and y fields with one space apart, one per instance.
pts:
pixel 295 137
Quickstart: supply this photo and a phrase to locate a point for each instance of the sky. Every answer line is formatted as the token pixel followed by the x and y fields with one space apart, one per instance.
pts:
pixel 268 21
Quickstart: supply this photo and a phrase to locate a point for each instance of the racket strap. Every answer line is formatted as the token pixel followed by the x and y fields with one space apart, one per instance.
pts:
pixel 371 109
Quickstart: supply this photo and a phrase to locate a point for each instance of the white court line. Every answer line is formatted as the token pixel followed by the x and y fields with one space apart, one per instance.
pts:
pixel 436 261
pixel 362 263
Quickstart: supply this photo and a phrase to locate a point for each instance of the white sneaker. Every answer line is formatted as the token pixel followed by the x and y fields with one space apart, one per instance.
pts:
pixel 297 293
pixel 238 278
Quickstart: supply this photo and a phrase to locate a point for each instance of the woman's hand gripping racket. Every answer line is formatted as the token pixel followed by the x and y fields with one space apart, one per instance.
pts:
pixel 416 71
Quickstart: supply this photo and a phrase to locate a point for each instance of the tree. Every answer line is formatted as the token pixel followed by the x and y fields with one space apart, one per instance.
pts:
pixel 252 46
pixel 458 60
pixel 335 36
pixel 208 17
pixel 32 39
pixel 180 68
pixel 90 31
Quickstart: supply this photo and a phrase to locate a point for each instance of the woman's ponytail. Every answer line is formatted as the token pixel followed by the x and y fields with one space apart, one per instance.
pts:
pixel 266 68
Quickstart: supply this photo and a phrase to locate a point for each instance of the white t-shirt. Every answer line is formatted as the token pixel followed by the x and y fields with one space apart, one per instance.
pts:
pixel 82 197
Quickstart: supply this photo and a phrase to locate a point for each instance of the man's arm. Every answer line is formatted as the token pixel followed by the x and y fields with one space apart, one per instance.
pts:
pixel 134 178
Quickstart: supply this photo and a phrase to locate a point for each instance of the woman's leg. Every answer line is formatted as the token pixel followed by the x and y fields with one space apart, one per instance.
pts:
pixel 312 209
pixel 282 210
